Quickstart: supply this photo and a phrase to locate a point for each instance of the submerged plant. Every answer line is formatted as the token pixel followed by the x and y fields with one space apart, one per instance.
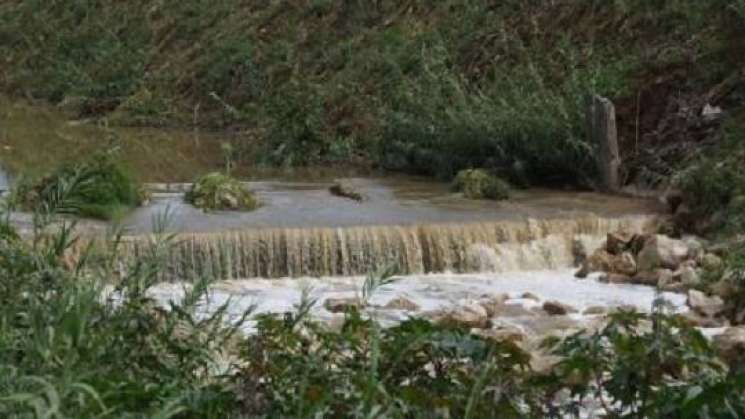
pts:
pixel 216 191
pixel 480 184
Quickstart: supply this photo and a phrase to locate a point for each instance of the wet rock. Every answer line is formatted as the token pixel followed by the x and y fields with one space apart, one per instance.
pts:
pixel 705 305
pixel 614 278
pixel 341 305
pixel 661 252
pixel 599 261
pixel 346 190
pixel 502 332
pixel 493 305
pixel 595 310
pixel 731 344
pixel 530 296
pixel 650 278
pixel 402 303
pixel 555 308
pixel 513 310
pixel 583 271
pixel 618 242
pixel 467 315
pixel 481 258
pixel 624 264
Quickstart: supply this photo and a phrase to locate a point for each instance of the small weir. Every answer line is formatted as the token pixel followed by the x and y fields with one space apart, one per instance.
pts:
pixel 497 246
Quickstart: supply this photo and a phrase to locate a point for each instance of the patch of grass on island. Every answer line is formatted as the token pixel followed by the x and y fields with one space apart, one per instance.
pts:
pixel 219 192
pixel 480 184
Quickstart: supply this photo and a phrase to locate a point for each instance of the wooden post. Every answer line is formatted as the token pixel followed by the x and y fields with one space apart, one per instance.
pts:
pixel 602 131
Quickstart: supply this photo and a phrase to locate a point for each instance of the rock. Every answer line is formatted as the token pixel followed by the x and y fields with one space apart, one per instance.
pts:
pixel 530 296
pixel 502 332
pixel 599 261
pixel 583 271
pixel 697 320
pixel 652 278
pixel 711 262
pixel 723 288
pixel 341 305
pixel 613 278
pixel 513 310
pixel 623 264
pixel 346 190
pixel 684 219
pixel 555 308
pixel 695 247
pixel 661 252
pixel 402 303
pixel 595 310
pixel 731 344
pixel 618 242
pixel 687 276
pixel 493 305
pixel 704 305
pixel 481 258
pixel 467 315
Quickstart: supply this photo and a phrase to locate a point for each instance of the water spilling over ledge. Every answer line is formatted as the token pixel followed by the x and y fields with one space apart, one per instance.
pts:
pixel 420 227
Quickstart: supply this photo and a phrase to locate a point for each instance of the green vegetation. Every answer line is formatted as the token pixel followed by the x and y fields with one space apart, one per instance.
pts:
pixel 419 86
pixel 67 352
pixel 714 186
pixel 97 187
pixel 216 191
pixel 479 184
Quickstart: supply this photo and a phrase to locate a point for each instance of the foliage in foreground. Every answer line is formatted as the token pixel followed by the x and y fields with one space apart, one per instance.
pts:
pixel 216 191
pixel 98 187
pixel 71 348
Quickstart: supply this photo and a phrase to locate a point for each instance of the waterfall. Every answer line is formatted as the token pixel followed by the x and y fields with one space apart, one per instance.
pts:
pixel 499 246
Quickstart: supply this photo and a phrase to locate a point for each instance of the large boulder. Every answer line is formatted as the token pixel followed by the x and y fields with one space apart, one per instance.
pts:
pixel 704 305
pixel 624 264
pixel 661 252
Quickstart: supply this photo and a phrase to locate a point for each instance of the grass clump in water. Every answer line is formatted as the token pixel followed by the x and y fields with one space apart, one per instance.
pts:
pixel 97 187
pixel 216 191
pixel 480 184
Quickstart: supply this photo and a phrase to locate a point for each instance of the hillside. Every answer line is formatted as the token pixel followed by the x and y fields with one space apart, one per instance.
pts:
pixel 420 86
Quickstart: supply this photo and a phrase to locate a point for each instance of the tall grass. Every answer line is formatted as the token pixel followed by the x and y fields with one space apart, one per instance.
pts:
pixel 426 87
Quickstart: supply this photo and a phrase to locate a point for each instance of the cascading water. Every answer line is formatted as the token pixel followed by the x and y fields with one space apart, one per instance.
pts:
pixel 498 246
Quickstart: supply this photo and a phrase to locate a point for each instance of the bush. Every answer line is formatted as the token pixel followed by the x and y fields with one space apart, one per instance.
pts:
pixel 714 187
pixel 216 191
pixel 479 184
pixel 98 187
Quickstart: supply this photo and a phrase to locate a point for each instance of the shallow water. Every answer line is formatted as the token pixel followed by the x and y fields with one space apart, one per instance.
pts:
pixel 391 201
pixel 430 292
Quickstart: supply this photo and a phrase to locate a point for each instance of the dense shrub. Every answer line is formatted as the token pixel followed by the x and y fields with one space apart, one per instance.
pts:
pixel 97 187
pixel 216 191
pixel 714 186
pixel 480 184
